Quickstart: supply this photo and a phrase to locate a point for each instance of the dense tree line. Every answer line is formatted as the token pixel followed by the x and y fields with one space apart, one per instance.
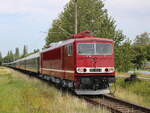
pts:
pixel 134 55
pixel 91 16
pixel 10 57
pixel 141 50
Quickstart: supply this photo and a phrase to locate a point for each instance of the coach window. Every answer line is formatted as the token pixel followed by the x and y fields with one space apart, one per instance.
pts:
pixel 70 49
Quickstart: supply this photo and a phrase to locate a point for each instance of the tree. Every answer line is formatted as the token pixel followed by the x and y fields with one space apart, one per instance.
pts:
pixel 141 50
pixel 142 39
pixel 9 57
pixel 17 54
pixel 1 58
pixel 147 49
pixel 139 56
pixel 124 56
pixel 25 51
pixel 36 50
pixel 91 16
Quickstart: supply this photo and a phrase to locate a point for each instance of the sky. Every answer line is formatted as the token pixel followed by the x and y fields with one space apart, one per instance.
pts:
pixel 25 22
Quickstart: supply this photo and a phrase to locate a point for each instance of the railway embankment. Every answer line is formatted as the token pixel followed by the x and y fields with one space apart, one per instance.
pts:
pixel 20 93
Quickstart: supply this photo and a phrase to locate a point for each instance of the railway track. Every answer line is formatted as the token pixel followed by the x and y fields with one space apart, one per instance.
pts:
pixel 116 105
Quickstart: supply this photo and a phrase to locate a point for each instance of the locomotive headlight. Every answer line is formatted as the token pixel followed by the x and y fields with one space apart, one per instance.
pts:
pixel 106 69
pixel 111 69
pixel 81 70
pixel 84 70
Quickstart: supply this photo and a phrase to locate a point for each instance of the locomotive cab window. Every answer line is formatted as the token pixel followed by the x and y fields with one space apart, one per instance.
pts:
pixel 95 49
pixel 70 49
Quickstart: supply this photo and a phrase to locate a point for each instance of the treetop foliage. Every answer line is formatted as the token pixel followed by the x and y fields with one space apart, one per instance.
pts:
pixel 91 16
pixel 25 51
pixel 142 39
pixel 17 54
pixel 10 57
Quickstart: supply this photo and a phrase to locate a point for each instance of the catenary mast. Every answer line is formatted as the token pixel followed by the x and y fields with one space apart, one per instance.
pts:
pixel 76 17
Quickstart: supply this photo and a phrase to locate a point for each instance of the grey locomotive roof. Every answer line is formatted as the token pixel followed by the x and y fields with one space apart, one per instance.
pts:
pixel 62 43
pixel 58 44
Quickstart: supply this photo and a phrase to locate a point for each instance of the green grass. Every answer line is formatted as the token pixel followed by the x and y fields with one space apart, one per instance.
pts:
pixel 136 92
pixel 22 94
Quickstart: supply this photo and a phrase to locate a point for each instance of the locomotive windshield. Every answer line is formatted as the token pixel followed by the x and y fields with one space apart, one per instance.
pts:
pixel 94 49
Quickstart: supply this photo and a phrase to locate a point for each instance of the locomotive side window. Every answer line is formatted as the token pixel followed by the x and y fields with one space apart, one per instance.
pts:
pixel 70 49
pixel 95 49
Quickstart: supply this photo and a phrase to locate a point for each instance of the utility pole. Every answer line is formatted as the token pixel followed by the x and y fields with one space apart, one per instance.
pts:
pixel 76 17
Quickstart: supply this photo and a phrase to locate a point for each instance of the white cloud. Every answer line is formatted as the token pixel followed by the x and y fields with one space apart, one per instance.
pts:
pixel 30 6
pixel 22 20
pixel 132 16
pixel 128 4
pixel 128 7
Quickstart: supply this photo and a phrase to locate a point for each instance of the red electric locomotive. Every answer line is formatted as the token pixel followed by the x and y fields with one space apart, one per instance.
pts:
pixel 84 64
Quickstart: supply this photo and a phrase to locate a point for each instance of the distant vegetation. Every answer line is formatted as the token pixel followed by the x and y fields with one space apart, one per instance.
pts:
pixel 10 57
pixel 133 55
pixel 22 94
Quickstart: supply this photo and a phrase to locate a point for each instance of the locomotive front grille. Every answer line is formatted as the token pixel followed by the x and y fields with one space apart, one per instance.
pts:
pixel 95 70
pixel 96 82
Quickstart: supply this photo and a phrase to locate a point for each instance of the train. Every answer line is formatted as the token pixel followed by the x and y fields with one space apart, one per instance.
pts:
pixel 83 63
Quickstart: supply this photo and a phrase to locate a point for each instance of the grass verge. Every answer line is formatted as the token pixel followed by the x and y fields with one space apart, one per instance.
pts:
pixel 136 92
pixel 23 94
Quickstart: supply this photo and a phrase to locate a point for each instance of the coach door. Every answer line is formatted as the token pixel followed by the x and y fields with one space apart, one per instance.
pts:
pixel 69 61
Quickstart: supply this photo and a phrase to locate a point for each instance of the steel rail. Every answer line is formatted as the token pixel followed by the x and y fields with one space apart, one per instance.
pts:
pixel 116 105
